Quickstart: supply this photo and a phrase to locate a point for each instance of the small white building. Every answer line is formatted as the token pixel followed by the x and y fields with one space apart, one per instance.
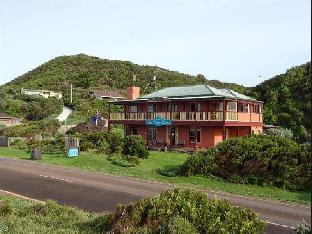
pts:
pixel 103 94
pixel 43 93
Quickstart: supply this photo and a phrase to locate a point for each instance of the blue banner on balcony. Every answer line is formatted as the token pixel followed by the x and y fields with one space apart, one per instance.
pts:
pixel 158 122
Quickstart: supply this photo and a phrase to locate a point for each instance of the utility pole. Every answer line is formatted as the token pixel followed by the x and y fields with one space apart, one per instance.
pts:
pixel 71 93
pixel 154 79
pixel 96 117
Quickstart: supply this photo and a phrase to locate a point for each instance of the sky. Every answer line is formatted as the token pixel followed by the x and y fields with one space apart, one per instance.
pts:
pixel 241 41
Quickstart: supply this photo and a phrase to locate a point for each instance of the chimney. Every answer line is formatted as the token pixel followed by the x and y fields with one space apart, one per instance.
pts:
pixel 133 92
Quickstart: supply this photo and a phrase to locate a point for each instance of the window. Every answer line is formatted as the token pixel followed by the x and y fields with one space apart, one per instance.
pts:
pixel 198 134
pixel 246 108
pixel 175 108
pixel 258 109
pixel 240 107
pixel 133 109
pixel 217 106
pixel 195 107
pixel 192 134
pixel 134 131
pixel 151 107
pixel 243 107
pixel 152 133
pixel 232 106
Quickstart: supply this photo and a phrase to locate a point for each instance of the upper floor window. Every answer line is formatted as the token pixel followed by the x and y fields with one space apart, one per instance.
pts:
pixel 217 106
pixel 242 107
pixel 175 108
pixel 133 109
pixel 151 107
pixel 232 106
pixel 195 107
pixel 258 109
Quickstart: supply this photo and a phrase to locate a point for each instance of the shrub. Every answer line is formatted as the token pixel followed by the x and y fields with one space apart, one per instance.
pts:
pixel 5 209
pixel 178 225
pixel 86 145
pixel 194 209
pixel 135 146
pixel 124 161
pixel 282 132
pixel 256 159
pixel 52 146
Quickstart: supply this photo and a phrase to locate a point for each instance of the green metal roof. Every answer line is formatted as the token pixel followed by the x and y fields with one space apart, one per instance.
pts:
pixel 194 91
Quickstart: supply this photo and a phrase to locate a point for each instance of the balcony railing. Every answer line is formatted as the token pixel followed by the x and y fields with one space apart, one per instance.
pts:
pixel 190 116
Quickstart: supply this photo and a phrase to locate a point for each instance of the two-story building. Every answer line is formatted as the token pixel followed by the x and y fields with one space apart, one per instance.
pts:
pixel 197 116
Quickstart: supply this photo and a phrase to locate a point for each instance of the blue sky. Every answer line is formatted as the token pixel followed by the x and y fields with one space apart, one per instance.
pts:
pixel 242 41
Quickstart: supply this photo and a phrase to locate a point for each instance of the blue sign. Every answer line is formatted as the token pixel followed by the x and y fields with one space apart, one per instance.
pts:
pixel 72 152
pixel 158 121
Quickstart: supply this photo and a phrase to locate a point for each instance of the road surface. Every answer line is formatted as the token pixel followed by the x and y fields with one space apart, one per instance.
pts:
pixel 65 113
pixel 98 192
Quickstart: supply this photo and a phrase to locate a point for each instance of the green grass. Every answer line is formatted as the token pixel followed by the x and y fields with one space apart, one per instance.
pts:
pixel 31 217
pixel 148 169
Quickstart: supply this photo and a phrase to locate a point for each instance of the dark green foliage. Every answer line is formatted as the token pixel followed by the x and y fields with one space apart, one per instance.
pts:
pixel 256 159
pixel 103 141
pixel 5 208
pixel 190 209
pixel 48 127
pixel 31 107
pixel 124 160
pixel 287 99
pixel 54 146
pixel 135 145
pixel 279 132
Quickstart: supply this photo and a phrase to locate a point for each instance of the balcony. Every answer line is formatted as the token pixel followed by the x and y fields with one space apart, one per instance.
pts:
pixel 177 116
pixel 189 116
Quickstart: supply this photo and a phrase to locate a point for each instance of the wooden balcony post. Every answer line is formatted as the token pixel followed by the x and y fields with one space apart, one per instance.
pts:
pixel 223 131
pixel 170 127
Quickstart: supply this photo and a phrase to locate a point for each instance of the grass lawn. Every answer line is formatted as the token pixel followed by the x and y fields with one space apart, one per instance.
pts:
pixel 148 169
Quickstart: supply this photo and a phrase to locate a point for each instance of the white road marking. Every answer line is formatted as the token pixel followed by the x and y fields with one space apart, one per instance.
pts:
pixel 281 225
pixel 20 196
pixel 56 178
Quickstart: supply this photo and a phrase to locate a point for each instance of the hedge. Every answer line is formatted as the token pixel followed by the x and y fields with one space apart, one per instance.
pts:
pixel 256 159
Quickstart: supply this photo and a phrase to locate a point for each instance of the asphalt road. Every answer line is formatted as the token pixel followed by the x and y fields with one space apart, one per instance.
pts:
pixel 98 192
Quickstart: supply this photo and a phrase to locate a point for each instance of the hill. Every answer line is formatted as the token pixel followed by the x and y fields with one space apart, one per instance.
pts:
pixel 86 72
pixel 287 99
pixel 286 96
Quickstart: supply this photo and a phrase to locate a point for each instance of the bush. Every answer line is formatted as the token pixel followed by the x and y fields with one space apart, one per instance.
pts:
pixel 103 141
pixel 5 209
pixel 135 146
pixel 124 161
pixel 256 159
pixel 281 132
pixel 53 146
pixel 86 145
pixel 191 210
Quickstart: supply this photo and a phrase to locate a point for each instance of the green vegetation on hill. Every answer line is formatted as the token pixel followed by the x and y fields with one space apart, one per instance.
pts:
pixel 287 96
pixel 85 72
pixel 287 99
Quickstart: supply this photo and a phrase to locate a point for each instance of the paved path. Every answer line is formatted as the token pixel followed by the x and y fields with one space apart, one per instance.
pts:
pixel 65 113
pixel 97 192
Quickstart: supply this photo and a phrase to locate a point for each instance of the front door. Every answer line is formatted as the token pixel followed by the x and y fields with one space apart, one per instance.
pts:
pixel 173 135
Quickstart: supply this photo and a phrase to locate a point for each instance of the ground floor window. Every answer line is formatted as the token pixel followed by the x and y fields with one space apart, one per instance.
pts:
pixel 198 134
pixel 134 131
pixel 192 135
pixel 152 133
